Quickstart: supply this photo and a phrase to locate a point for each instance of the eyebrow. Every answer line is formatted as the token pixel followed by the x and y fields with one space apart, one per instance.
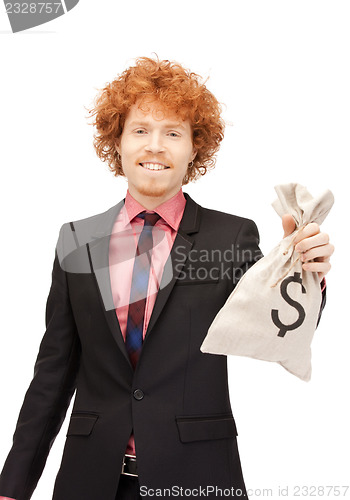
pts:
pixel 146 124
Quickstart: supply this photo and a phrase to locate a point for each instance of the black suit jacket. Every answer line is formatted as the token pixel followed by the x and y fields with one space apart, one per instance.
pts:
pixel 176 402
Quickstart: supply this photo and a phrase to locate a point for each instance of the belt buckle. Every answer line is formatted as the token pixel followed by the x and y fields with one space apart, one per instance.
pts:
pixel 132 458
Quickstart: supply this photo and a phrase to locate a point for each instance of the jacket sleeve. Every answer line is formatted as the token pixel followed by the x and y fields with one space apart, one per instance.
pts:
pixel 48 396
pixel 323 301
pixel 247 250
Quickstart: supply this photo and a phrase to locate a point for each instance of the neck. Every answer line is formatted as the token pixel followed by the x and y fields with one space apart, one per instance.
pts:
pixel 150 202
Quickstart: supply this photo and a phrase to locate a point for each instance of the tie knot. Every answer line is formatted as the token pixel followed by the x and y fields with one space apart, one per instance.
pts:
pixel 150 219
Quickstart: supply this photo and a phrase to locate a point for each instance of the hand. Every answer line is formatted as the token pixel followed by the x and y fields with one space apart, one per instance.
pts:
pixel 313 246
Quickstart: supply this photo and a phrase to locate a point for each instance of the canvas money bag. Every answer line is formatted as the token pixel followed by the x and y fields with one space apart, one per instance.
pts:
pixel 273 311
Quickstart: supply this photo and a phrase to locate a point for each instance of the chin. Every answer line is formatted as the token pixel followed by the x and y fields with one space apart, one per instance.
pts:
pixel 153 191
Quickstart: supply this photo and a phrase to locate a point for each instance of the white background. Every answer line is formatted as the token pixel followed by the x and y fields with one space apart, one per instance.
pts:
pixel 282 70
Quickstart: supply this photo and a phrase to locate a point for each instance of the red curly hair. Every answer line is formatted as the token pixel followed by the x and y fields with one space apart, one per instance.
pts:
pixel 178 91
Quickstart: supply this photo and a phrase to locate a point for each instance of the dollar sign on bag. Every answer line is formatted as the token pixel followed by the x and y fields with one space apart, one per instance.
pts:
pixel 283 329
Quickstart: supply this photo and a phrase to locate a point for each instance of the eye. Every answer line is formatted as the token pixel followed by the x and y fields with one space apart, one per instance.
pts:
pixel 140 131
pixel 174 134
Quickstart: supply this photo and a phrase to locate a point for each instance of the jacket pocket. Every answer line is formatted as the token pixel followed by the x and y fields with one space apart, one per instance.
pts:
pixel 205 427
pixel 81 424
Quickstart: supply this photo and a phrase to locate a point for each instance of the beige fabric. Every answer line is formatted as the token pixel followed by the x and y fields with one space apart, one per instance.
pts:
pixel 246 325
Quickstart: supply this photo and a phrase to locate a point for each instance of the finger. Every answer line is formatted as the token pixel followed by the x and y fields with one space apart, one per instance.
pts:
pixel 288 224
pixel 322 268
pixel 312 241
pixel 309 230
pixel 322 252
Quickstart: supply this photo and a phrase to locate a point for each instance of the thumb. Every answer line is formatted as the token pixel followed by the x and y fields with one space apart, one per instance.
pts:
pixel 288 224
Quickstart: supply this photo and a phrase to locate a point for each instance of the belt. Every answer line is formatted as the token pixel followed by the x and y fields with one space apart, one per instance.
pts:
pixel 129 467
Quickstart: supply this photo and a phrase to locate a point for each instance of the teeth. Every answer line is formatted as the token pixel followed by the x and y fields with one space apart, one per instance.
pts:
pixel 153 166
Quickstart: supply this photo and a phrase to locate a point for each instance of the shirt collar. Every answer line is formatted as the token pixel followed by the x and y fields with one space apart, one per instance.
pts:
pixel 171 211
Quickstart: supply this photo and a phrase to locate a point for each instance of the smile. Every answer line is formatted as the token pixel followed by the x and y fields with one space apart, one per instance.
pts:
pixel 153 166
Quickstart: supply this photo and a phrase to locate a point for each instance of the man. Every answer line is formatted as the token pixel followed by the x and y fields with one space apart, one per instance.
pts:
pixel 129 307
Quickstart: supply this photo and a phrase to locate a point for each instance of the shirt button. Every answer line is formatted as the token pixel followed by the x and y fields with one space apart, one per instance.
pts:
pixel 138 394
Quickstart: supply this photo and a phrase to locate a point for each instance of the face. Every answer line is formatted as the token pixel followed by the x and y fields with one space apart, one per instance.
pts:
pixel 155 151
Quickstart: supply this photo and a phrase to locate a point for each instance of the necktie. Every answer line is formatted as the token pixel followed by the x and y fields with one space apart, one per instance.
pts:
pixel 139 285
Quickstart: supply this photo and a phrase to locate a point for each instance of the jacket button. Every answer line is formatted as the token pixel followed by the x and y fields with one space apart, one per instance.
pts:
pixel 138 394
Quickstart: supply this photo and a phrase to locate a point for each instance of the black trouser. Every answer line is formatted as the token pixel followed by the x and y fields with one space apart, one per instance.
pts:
pixel 128 488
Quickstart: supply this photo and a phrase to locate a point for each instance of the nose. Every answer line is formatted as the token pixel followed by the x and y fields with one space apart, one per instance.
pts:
pixel 154 142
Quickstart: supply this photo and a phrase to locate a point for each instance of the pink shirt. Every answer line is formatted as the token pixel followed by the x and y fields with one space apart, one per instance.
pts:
pixel 122 249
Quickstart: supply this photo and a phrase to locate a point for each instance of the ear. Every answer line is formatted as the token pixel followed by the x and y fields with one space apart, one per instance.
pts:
pixel 194 154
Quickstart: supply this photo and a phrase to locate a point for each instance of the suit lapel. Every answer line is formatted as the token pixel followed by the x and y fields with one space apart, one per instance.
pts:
pixel 182 245
pixel 98 250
